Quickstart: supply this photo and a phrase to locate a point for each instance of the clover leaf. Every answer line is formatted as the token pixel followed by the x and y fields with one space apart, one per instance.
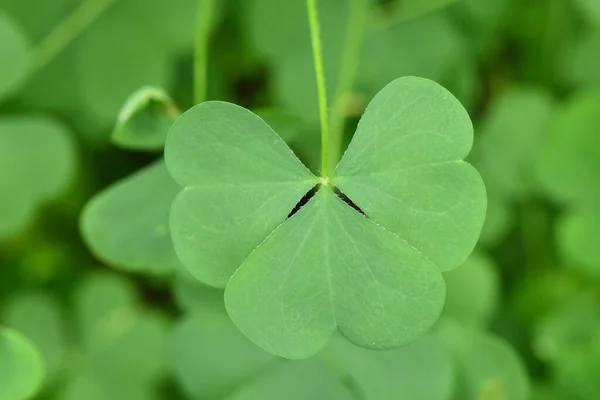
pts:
pixel 21 369
pixel 239 177
pixel 127 224
pixel 291 282
pixel 404 169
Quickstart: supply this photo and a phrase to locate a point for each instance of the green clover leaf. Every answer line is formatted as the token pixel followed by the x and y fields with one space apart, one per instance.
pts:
pixel 239 177
pixel 292 282
pixel 126 225
pixel 404 169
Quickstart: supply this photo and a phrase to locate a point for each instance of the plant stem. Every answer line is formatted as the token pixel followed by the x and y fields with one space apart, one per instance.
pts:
pixel 315 36
pixel 349 68
pixel 203 26
pixel 67 31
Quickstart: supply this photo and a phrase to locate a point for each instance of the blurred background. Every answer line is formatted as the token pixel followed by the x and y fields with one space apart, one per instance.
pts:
pixel 91 289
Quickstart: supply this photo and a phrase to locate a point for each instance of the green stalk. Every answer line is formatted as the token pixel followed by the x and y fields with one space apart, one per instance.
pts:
pixel 67 31
pixel 205 10
pixel 315 36
pixel 350 59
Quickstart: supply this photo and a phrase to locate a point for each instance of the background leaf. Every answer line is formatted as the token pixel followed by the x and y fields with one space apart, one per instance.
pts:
pixel 383 375
pixel 211 357
pixel 472 291
pixel 127 225
pixel 572 142
pixel 301 380
pixel 22 368
pixel 39 318
pixel 37 163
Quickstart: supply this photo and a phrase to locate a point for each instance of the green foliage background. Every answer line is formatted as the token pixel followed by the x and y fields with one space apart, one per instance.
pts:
pixel 95 304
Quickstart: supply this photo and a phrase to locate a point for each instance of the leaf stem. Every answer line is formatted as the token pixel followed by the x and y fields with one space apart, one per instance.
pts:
pixel 315 36
pixel 348 71
pixel 203 26
pixel 67 31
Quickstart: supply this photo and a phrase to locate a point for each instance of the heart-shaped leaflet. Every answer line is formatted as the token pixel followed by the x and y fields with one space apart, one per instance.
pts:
pixel 377 278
